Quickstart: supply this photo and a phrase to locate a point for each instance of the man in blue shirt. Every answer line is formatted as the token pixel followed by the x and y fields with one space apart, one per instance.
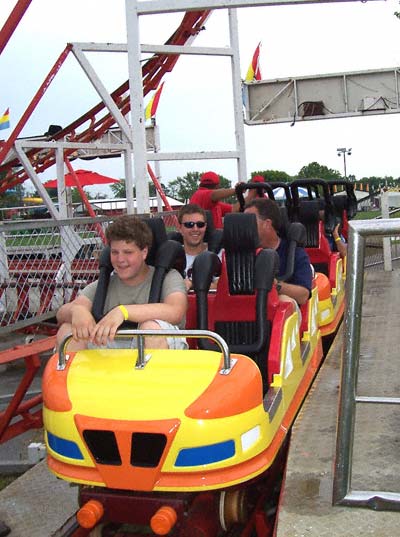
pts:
pixel 298 286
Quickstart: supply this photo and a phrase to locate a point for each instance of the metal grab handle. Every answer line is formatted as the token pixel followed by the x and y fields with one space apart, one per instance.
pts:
pixel 141 334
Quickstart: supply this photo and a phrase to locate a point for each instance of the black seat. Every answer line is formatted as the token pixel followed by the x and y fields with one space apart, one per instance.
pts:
pixel 345 201
pixel 295 234
pixel 239 310
pixel 308 215
pixel 164 254
pixel 213 236
pixel 105 269
pixel 159 232
pixel 317 231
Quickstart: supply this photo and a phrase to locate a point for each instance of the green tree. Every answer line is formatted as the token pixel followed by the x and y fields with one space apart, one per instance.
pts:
pixel 182 188
pixel 119 189
pixel 318 171
pixel 76 197
pixel 376 183
pixel 13 197
pixel 273 176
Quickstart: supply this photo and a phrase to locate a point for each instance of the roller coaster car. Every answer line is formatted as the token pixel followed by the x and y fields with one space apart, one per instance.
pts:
pixel 328 265
pixel 186 441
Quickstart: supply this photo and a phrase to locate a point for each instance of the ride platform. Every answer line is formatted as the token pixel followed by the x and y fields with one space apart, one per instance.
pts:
pixel 306 499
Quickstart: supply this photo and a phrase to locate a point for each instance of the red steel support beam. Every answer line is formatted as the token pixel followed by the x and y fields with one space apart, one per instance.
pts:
pixel 12 22
pixel 17 407
pixel 85 201
pixel 39 94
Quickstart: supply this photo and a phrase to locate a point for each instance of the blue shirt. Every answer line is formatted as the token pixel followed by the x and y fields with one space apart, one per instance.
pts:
pixel 302 272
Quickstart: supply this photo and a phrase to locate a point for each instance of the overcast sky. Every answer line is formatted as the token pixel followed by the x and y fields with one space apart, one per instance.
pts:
pixel 195 111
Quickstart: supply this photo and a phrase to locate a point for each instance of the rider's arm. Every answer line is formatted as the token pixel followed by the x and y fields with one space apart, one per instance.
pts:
pixel 64 314
pixel 299 293
pixel 221 193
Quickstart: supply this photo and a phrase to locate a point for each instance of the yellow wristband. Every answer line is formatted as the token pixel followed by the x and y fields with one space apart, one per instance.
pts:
pixel 338 239
pixel 124 312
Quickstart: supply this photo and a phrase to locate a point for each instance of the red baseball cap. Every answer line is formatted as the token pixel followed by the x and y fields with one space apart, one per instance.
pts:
pixel 209 178
pixel 257 179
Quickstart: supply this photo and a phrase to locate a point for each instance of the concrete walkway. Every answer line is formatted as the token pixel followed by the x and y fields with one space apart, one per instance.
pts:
pixel 306 509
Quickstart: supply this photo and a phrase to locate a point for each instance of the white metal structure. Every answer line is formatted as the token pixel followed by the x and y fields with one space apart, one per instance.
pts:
pixel 360 93
pixel 136 8
pixel 132 140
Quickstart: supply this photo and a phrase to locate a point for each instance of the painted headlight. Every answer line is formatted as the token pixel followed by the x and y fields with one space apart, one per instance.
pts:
pixel 64 447
pixel 201 455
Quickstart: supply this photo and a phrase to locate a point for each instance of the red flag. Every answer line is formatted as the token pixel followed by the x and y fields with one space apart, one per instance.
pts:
pixel 151 108
pixel 253 72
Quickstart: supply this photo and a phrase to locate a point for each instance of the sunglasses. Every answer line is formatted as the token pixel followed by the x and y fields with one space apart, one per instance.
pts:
pixel 190 225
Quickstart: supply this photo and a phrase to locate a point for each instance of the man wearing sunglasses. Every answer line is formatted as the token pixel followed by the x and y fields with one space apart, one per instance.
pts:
pixel 192 226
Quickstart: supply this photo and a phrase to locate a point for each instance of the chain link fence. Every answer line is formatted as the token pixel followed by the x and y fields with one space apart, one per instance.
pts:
pixel 44 264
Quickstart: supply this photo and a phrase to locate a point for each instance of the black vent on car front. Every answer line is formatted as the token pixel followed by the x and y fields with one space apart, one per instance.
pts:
pixel 103 446
pixel 147 449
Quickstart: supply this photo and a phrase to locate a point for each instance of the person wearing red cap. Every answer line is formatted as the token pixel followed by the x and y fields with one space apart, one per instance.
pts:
pixel 210 197
pixel 258 179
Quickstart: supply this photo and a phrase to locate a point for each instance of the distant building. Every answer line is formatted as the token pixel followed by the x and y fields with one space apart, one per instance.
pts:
pixel 115 206
pixel 364 200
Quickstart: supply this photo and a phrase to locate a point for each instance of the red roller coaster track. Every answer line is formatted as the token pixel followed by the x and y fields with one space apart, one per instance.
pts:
pixel 98 119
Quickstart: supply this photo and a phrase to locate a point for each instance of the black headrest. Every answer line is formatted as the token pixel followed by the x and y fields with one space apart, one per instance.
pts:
pixel 105 269
pixel 105 259
pixel 240 240
pixel 285 221
pixel 240 232
pixel 159 232
pixel 266 269
pixel 296 236
pixel 210 226
pixel 296 232
pixel 205 266
pixel 213 237
pixel 340 202
pixel 309 211
pixel 175 236
pixel 169 255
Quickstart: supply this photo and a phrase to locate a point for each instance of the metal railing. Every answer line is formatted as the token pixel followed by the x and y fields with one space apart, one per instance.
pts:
pixel 382 251
pixel 44 264
pixel 360 233
pixel 140 338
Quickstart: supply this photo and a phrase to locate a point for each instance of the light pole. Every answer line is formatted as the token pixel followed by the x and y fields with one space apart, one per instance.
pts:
pixel 344 151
